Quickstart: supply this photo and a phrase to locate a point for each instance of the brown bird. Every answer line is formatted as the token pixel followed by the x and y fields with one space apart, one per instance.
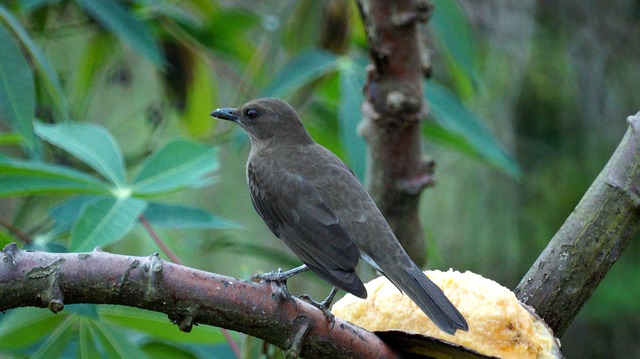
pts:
pixel 312 201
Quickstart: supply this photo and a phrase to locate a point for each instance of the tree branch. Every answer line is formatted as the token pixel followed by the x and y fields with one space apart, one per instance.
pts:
pixel 187 296
pixel 590 241
pixel 393 106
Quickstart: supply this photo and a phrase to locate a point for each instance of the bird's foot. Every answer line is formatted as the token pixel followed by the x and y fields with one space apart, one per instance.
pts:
pixel 324 305
pixel 280 278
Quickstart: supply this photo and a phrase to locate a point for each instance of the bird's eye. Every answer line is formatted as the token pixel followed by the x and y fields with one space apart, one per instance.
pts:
pixel 251 113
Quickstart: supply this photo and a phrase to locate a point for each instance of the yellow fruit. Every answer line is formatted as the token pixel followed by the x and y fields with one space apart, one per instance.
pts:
pixel 499 324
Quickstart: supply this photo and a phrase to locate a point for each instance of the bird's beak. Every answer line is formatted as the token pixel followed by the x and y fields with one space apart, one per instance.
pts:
pixel 226 114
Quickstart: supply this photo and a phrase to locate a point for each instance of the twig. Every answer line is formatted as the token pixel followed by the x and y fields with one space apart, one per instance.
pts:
pixel 184 294
pixel 590 241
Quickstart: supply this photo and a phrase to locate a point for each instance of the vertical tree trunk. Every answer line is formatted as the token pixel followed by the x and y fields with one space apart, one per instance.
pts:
pixel 393 106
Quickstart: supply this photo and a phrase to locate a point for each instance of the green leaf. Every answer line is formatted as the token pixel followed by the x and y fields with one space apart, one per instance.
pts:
pixel 115 343
pixel 90 143
pixel 41 63
pixel 17 93
pixel 87 340
pixel 65 214
pixel 435 132
pixel 158 326
pixel 23 185
pixel 302 29
pixel 10 138
pixel 85 310
pixel 6 238
pixel 178 164
pixel 44 244
pixel 120 21
pixel 176 216
pixel 30 178
pixel 174 12
pixel 454 37
pixel 104 221
pixel 28 6
pixel 299 71
pixel 455 117
pixel 166 350
pixel 25 326
pixel 201 93
pixel 226 31
pixel 95 54
pixel 57 340
pixel 351 81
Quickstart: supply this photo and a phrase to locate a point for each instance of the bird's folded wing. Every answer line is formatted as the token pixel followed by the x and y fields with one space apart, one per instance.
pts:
pixel 295 212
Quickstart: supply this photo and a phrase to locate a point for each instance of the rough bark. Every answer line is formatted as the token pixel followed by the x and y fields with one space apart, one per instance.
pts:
pixel 581 253
pixel 187 296
pixel 393 106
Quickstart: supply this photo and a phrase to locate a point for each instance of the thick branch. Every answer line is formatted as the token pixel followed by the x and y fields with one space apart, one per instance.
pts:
pixel 186 295
pixel 590 241
pixel 393 107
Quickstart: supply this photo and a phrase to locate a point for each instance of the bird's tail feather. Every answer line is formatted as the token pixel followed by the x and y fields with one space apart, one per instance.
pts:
pixel 431 299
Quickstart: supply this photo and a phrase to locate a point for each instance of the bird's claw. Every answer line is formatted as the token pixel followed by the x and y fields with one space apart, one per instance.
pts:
pixel 274 276
pixel 278 277
pixel 323 306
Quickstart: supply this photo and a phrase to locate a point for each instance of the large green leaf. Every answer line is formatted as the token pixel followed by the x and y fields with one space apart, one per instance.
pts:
pixel 46 72
pixel 17 93
pixel 90 143
pixel 351 81
pixel 65 214
pixel 178 164
pixel 23 185
pixel 95 54
pixel 57 340
pixel 87 340
pixel 28 178
pixel 114 342
pixel 176 216
pixel 163 349
pixel 6 238
pixel 85 310
pixel 435 132
pixel 28 6
pixel 299 71
pixel 104 221
pixel 25 326
pixel 227 31
pixel 171 10
pixel 455 40
pixel 455 117
pixel 119 20
pixel 302 30
pixel 201 93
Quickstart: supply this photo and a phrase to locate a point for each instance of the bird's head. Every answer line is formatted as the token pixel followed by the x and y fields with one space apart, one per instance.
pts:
pixel 266 120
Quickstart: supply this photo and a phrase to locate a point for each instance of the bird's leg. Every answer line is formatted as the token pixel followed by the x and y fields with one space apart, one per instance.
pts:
pixel 324 305
pixel 280 277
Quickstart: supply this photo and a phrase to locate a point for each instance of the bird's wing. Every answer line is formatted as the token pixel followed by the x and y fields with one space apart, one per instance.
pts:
pixel 295 212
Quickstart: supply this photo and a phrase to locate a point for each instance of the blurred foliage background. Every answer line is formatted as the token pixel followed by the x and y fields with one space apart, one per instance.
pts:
pixel 528 101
